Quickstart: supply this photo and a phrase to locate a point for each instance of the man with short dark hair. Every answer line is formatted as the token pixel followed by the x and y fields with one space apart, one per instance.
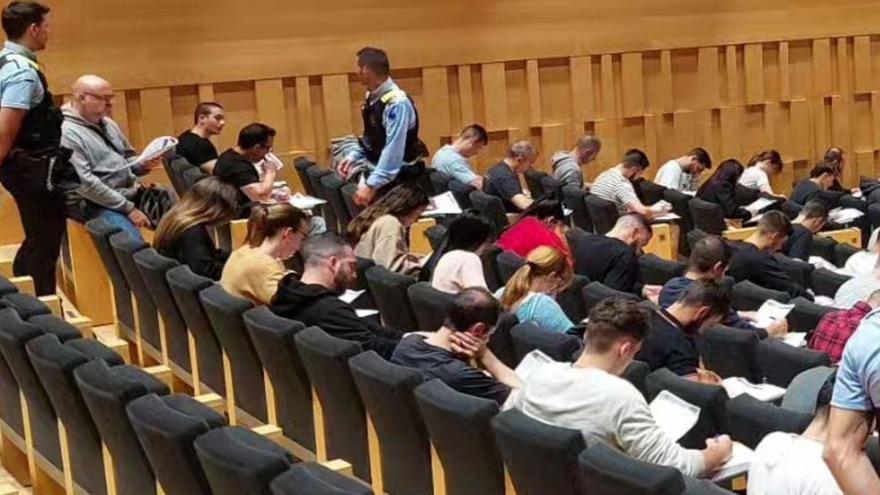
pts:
pixel 753 258
pixel 683 173
pixel 591 397
pixel 236 165
pixel 503 179
pixel 391 131
pixel 30 134
pixel 616 184
pixel 809 221
pixel 195 144
pixel 821 178
pixel 568 166
pixel 330 267
pixel 613 258
pixel 672 343
pixel 452 159
pixel 471 318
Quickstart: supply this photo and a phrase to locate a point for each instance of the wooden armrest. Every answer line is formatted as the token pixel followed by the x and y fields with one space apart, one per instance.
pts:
pixel 271 432
pixel 24 284
pixel 339 465
pixel 54 303
pixel 83 324
pixel 162 373
pixel 7 489
pixel 213 401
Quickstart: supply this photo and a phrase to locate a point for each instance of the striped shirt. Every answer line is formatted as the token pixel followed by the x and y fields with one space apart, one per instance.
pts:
pixel 612 186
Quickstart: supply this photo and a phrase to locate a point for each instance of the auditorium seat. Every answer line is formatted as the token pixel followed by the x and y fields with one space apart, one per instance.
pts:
pixel 533 179
pixel 436 234
pixel 748 296
pixel 310 478
pixel 401 445
pixel 273 339
pixel 711 399
pixel 609 471
pixel 490 207
pixel 539 458
pixel 462 193
pixel 603 213
pixel 745 195
pixel 508 263
pixel 636 373
pixel 153 268
pixel 650 192
pixel 782 362
pixel 571 298
pixel 552 187
pixel 501 341
pixel 185 287
pixel 106 392
pixel 124 247
pixel 225 314
pixel 825 282
pixel 175 169
pixel 100 231
pixel 331 187
pixel 708 217
pixel 191 176
pixel 315 174
pixel 301 164
pixel 657 271
pixel 731 352
pixel 490 267
pixel 750 419
pixel 806 314
pixel 680 206
pixel 824 247
pixel 431 303
pixel 558 346
pixel 439 181
pixel 694 236
pixel 800 272
pixel 573 199
pixel 166 428
pixel 6 286
pixel 26 305
pixel 348 191
pixel 842 253
pixel 238 461
pixel 325 358
pixel 460 429
pixel 594 292
pixel 389 291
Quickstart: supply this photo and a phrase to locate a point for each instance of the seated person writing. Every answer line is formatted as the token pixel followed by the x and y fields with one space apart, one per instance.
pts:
pixel 101 155
pixel 531 291
pixel 329 269
pixel 456 265
pixel 446 353
pixel 183 233
pixel 821 179
pixel 275 233
pixel 616 185
pixel 379 232
pixel 672 342
pixel 753 258
pixel 195 145
pixel 568 166
pixel 809 221
pixel 720 188
pixel 683 174
pixel 452 159
pixel 591 397
pixel 503 179
pixel 237 166
pixel 541 224
pixel 760 167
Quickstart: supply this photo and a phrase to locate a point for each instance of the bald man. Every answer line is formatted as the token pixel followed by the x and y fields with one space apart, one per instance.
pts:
pixel 100 155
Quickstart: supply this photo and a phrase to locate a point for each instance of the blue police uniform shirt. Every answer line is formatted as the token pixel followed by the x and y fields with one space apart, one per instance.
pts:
pixel 19 83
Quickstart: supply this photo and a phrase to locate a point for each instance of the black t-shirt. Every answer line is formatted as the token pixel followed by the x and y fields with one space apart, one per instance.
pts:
pixel 195 248
pixel 503 182
pixel 668 345
pixel 195 149
pixel 434 362
pixel 237 170
pixel 762 268
pixel 805 190
pixel 606 260
pixel 799 244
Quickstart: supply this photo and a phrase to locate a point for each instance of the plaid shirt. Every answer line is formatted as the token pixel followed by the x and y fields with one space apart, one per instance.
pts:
pixel 835 328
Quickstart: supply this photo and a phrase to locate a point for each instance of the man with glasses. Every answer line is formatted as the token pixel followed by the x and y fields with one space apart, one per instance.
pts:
pixel 101 155
pixel 30 132
pixel 245 166
pixel 330 267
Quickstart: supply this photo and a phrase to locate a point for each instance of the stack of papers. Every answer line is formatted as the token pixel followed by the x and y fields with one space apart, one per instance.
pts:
pixel 349 295
pixel 443 204
pixel 844 215
pixel 795 339
pixel 761 203
pixel 820 262
pixel 738 464
pixel 736 386
pixel 673 414
pixel 155 149
pixel 667 218
pixel 531 362
pixel 304 202
pixel 772 311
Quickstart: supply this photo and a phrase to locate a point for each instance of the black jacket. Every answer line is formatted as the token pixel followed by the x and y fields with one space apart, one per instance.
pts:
pixel 723 194
pixel 762 268
pixel 315 305
pixel 195 249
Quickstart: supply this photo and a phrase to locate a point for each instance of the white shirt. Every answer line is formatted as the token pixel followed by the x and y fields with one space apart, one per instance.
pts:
pixel 860 263
pixel 457 270
pixel 755 178
pixel 601 406
pixel 612 186
pixel 856 289
pixel 671 176
pixel 788 464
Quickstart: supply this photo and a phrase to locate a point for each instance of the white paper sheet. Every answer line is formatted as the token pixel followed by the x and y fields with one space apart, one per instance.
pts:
pixel 772 311
pixel 661 206
pixel 443 204
pixel 666 218
pixel 365 313
pixel 795 339
pixel 349 295
pixel 155 149
pixel 673 414
pixel 761 203
pixel 844 215
pixel 739 463
pixel 736 386
pixel 531 362
pixel 820 262
pixel 304 202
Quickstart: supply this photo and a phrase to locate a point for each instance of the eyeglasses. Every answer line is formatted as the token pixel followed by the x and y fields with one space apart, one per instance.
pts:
pixel 104 98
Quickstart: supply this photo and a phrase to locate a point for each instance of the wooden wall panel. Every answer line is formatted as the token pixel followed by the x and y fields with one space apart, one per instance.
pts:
pixel 632 85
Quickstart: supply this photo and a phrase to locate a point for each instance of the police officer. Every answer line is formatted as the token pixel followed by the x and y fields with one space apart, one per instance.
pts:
pixel 30 132
pixel 391 130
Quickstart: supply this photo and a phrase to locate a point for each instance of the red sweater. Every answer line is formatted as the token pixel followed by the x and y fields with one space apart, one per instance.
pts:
pixel 530 233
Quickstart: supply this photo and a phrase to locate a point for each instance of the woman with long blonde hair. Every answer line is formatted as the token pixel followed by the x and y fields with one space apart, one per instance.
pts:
pixel 531 291
pixel 275 233
pixel 379 232
pixel 183 232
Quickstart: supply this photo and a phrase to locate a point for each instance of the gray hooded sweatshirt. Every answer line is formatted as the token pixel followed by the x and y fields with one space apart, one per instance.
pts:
pixel 102 164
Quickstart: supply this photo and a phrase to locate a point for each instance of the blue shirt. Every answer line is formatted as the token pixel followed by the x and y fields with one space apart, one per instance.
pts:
pixel 398 117
pixel 858 379
pixel 19 83
pixel 453 164
pixel 542 310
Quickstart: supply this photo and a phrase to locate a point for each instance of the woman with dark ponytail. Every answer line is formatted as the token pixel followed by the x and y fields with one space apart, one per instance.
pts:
pixel 275 232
